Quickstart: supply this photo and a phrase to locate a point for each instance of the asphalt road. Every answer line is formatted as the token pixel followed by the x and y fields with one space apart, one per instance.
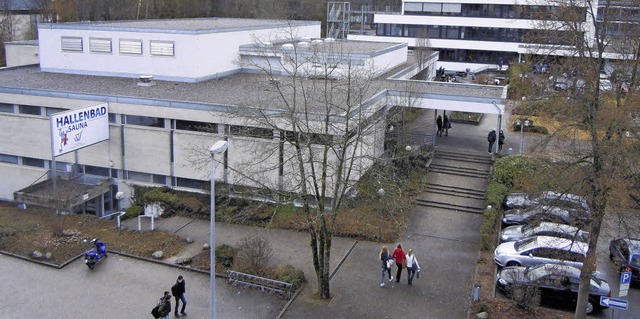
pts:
pixel 119 287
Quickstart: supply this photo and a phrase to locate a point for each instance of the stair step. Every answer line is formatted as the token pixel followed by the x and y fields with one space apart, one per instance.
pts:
pixel 448 206
pixel 462 169
pixel 456 191
pixel 460 173
pixel 465 157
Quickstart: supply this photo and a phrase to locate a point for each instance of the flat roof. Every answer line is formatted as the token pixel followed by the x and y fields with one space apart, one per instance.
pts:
pixel 195 25
pixel 349 47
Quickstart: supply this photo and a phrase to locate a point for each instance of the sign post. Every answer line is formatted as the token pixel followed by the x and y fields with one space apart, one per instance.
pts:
pixel 625 280
pixel 614 303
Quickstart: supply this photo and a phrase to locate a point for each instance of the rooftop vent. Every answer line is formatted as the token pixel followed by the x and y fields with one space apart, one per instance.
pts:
pixel 146 80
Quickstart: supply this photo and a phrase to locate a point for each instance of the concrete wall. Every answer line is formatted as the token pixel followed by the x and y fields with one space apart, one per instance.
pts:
pixel 18 54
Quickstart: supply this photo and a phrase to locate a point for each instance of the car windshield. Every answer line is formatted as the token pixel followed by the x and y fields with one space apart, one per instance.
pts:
pixel 534 272
pixel 635 260
pixel 525 244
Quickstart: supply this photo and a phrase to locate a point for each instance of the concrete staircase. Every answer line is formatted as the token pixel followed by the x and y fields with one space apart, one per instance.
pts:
pixel 457 182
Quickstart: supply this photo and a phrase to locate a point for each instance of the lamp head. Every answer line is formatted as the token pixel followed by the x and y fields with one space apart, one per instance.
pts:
pixel 218 147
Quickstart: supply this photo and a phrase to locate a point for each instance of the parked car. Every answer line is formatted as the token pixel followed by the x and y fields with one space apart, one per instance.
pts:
pixel 551 198
pixel 625 252
pixel 536 250
pixel 555 214
pixel 558 283
pixel 516 232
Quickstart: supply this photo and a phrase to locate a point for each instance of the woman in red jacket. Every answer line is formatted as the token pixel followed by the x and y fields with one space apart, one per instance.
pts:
pixel 399 256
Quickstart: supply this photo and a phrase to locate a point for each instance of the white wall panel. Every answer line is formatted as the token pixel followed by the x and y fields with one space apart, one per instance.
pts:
pixel 15 178
pixel 191 155
pixel 147 150
pixel 253 162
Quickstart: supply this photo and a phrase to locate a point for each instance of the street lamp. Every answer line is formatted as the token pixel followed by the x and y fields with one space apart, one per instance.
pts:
pixel 519 123
pixel 218 148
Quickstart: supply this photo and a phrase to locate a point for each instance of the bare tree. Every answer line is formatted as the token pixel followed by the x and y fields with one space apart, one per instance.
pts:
pixel 312 97
pixel 580 34
pixel 6 28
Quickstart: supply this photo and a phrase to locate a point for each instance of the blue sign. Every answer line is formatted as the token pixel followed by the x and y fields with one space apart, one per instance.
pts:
pixel 625 277
pixel 614 303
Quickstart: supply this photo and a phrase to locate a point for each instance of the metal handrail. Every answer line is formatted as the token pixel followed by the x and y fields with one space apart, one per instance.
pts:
pixel 120 214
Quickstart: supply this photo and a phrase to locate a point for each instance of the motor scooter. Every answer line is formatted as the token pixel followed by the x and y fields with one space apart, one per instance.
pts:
pixel 95 254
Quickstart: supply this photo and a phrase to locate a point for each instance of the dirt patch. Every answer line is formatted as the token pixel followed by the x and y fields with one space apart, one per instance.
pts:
pixel 41 229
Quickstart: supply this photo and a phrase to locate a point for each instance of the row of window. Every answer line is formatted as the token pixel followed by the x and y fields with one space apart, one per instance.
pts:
pixel 125 46
pixel 494 11
pixel 105 171
pixel 472 33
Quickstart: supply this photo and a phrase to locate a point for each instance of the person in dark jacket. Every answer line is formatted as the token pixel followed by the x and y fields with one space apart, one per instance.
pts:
pixel 500 140
pixel 491 138
pixel 178 290
pixel 439 124
pixel 446 125
pixel 385 257
pixel 163 309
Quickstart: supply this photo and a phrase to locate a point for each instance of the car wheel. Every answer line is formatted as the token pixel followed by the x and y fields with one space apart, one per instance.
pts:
pixel 590 307
pixel 513 263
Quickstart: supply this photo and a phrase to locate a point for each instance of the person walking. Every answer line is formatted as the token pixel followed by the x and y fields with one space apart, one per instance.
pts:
pixel 447 125
pixel 387 261
pixel 439 124
pixel 401 261
pixel 412 266
pixel 500 140
pixel 178 290
pixel 491 138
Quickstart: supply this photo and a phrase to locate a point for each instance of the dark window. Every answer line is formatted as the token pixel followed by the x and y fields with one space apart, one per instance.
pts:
pixel 112 118
pixel 251 131
pixel 196 126
pixel 191 183
pixel 4 107
pixel 144 121
pixel 29 109
pixel 36 162
pixel 159 179
pixel 94 170
pixel 4 158
pixel 53 110
pixel 64 167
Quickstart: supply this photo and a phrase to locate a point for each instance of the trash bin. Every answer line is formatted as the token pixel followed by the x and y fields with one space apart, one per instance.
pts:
pixel 476 292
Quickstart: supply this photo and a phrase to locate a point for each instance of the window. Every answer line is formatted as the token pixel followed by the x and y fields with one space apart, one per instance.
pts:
pixel 161 48
pixel 196 126
pixel 94 170
pixel 29 109
pixel 5 107
pixel 71 44
pixel 36 162
pixel 99 45
pixel 146 178
pixel 251 131
pixel 412 6
pixel 131 47
pixel 144 121
pixel 53 110
pixel 191 183
pixel 4 158
pixel 112 118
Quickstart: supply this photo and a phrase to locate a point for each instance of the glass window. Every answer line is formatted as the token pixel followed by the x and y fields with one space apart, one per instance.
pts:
pixel 4 158
pixel 94 170
pixel 161 48
pixel 413 6
pixel 251 131
pixel 131 47
pixel 452 7
pixel 191 183
pixel 53 110
pixel 64 167
pixel 144 121
pixel 112 118
pixel 140 177
pixel 29 109
pixel 196 126
pixel 36 162
pixel 159 179
pixel 5 107
pixel 71 44
pixel 432 7
pixel 99 45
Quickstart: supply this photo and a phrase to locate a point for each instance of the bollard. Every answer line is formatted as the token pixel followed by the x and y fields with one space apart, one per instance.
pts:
pixel 476 292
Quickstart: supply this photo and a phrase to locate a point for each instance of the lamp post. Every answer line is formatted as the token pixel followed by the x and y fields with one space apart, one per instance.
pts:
pixel 218 148
pixel 522 125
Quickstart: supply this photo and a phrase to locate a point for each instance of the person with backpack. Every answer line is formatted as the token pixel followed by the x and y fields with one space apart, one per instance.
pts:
pixel 178 290
pixel 492 139
pixel 163 308
pixel 500 140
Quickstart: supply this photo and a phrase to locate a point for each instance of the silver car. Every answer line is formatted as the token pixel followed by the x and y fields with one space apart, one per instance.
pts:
pixel 516 232
pixel 551 198
pixel 531 251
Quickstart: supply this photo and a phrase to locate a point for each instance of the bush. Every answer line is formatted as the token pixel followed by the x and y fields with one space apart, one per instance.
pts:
pixel 495 193
pixel 290 274
pixel 525 297
pixel 253 255
pixel 132 212
pixel 225 255
pixel 487 228
pixel 508 169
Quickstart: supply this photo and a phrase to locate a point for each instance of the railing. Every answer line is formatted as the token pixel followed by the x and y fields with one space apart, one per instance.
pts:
pixel 118 215
pixel 264 284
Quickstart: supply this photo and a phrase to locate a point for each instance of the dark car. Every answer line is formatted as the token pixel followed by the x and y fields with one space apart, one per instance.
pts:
pixel 563 215
pixel 549 198
pixel 625 252
pixel 557 283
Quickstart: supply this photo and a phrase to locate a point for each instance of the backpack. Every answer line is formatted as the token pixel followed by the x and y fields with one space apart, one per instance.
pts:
pixel 155 312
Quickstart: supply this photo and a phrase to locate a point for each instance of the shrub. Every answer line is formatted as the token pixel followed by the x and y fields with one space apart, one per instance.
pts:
pixel 483 306
pixel 525 297
pixel 253 255
pixel 290 274
pixel 225 255
pixel 495 193
pixel 509 168
pixel 487 228
pixel 132 212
